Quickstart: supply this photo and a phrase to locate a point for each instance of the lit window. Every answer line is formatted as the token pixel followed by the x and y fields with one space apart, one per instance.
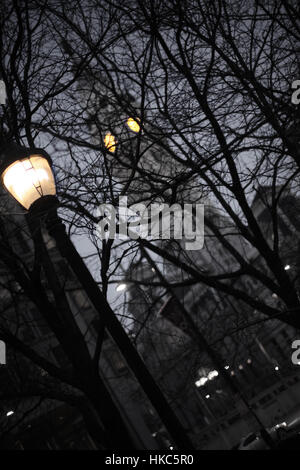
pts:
pixel 133 124
pixel 201 382
pixel 110 142
pixel 213 374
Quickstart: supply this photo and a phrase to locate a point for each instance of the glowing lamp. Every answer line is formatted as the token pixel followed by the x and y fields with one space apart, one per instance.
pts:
pixel 121 287
pixel 26 174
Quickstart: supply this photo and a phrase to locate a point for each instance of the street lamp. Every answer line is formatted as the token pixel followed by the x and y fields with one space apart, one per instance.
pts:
pixel 121 287
pixel 27 175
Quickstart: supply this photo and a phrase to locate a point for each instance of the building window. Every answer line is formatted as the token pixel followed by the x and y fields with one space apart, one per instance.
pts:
pixel 110 142
pixel 133 124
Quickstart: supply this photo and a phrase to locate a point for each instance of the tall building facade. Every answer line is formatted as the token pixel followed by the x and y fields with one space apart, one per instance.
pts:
pixel 256 351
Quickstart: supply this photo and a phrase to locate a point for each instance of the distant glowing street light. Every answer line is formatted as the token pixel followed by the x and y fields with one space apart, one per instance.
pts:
pixel 287 267
pixel 9 413
pixel 121 287
pixel 207 396
pixel 281 425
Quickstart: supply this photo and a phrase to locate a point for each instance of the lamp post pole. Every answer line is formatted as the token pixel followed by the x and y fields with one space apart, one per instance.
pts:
pixel 66 248
pixel 112 431
pixel 27 175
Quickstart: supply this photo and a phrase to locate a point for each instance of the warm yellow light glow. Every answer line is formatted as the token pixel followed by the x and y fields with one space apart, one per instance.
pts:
pixel 29 179
pixel 110 142
pixel 133 124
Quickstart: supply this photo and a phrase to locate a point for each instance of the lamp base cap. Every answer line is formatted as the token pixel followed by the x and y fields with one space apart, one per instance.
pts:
pixel 43 205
